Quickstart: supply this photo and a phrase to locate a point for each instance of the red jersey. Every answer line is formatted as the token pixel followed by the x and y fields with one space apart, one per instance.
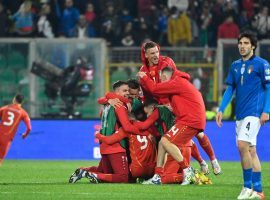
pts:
pixel 153 72
pixel 11 116
pixel 185 99
pixel 142 148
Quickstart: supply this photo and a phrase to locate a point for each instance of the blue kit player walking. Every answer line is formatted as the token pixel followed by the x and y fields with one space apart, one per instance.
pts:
pixel 249 79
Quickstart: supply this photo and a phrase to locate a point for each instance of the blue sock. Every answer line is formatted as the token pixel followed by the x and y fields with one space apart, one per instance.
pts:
pixel 256 181
pixel 247 175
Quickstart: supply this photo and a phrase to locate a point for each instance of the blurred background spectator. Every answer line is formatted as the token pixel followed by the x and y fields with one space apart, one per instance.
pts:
pixel 169 22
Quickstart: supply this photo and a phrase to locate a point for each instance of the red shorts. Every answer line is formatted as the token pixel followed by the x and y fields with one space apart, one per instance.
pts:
pixel 144 171
pixel 181 135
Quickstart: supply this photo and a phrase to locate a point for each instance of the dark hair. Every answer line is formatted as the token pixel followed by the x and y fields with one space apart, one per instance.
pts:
pixel 133 84
pixel 118 84
pixel 149 45
pixel 139 114
pixel 150 101
pixel 251 36
pixel 19 98
pixel 167 69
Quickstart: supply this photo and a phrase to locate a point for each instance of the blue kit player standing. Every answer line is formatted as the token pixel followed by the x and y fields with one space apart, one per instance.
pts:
pixel 249 79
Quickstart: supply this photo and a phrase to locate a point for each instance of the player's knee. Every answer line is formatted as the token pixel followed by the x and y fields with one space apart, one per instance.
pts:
pixel 164 141
pixel 253 152
pixel 200 135
pixel 243 146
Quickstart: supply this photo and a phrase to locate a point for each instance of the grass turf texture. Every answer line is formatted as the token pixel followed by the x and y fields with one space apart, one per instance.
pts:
pixel 49 180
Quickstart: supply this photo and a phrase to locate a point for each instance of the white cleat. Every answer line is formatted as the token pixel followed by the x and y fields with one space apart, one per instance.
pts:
pixel 204 167
pixel 189 176
pixel 257 195
pixel 92 177
pixel 155 180
pixel 216 167
pixel 245 193
pixel 77 175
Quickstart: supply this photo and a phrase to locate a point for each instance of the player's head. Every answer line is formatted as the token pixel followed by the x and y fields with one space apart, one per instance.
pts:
pixel 18 99
pixel 247 43
pixel 149 106
pixel 139 113
pixel 151 50
pixel 134 88
pixel 166 73
pixel 121 88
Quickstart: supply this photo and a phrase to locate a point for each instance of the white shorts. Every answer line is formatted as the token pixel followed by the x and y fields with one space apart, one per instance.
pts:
pixel 247 129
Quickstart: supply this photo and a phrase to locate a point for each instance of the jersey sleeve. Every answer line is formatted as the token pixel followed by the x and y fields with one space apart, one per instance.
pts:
pixel 265 73
pixel 122 115
pixel 164 88
pixel 148 122
pixel 27 122
pixel 102 100
pixel 230 78
pixel 114 138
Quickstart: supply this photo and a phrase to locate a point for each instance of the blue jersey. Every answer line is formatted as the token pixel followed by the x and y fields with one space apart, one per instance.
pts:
pixel 248 79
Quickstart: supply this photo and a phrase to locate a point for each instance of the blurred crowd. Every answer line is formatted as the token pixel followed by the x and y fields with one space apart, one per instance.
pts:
pixel 131 22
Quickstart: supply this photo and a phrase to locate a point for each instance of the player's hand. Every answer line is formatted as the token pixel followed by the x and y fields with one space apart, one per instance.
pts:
pixel 99 136
pixel 264 118
pixel 115 102
pixel 219 119
pixel 141 74
pixel 24 135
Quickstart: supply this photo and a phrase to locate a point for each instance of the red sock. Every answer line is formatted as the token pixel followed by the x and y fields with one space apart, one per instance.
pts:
pixel 207 147
pixel 172 178
pixel 91 169
pixel 113 178
pixel 159 171
pixel 183 164
pixel 195 153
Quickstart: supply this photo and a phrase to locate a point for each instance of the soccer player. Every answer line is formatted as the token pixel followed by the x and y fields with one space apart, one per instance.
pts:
pixel 184 98
pixel 249 79
pixel 142 150
pixel 11 115
pixel 113 166
pixel 153 63
pixel 163 119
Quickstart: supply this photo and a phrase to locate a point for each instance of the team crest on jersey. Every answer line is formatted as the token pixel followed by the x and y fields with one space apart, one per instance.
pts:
pixel 267 71
pixel 250 69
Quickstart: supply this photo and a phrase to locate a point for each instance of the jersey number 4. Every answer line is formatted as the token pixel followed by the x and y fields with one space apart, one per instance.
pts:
pixel 143 140
pixel 10 119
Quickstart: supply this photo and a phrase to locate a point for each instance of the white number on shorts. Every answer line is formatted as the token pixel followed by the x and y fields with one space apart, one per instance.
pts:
pixel 143 140
pixel 174 130
pixel 10 119
pixel 248 126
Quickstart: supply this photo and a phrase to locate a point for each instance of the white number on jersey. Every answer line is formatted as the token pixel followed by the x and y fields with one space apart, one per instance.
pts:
pixel 10 119
pixel 143 140
pixel 174 130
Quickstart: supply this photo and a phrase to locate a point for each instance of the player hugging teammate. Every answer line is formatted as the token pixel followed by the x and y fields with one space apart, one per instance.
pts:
pixel 134 127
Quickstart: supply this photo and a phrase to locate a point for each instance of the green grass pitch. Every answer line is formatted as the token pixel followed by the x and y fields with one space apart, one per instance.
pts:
pixel 37 180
